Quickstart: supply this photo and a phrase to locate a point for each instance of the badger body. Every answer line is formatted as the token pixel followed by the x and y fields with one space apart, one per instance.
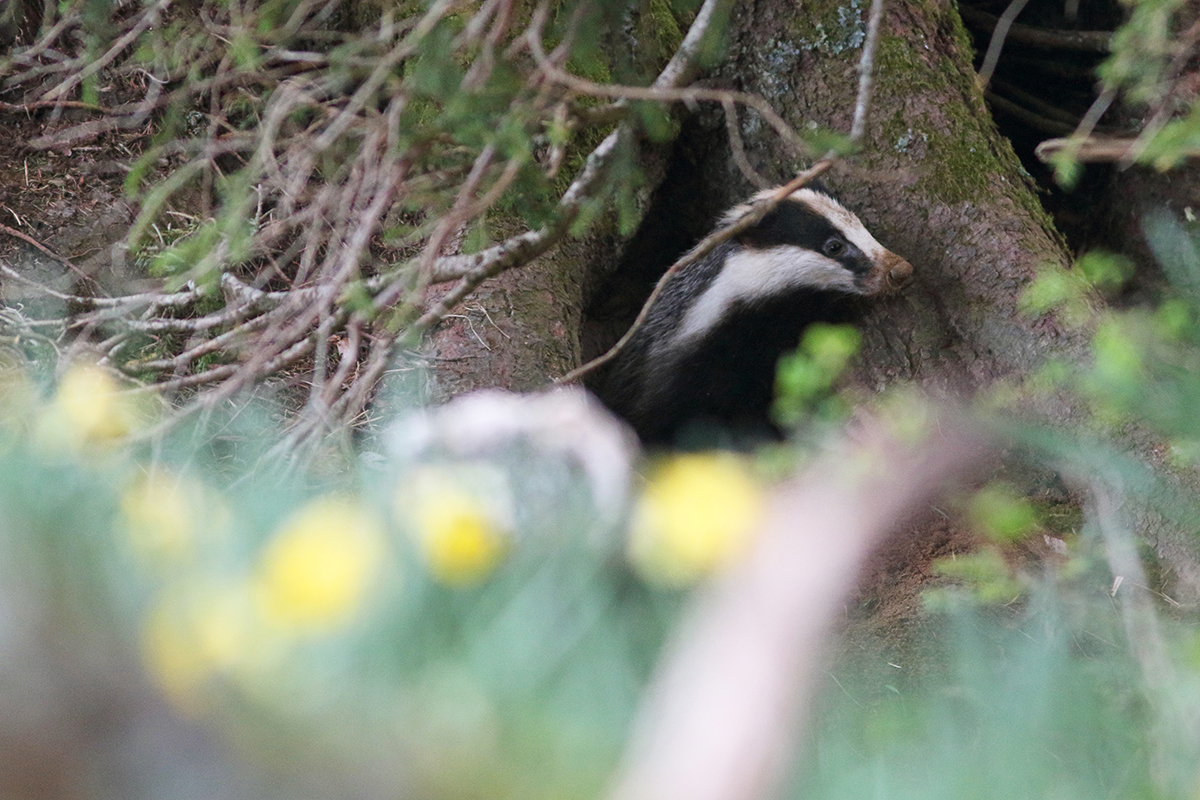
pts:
pixel 701 369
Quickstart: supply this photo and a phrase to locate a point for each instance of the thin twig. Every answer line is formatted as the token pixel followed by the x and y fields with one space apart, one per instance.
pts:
pixel 323 211
pixel 25 108
pixel 1034 103
pixel 691 94
pixel 1086 41
pixel 66 262
pixel 996 44
pixel 737 148
pixel 1082 134
pixel 1097 150
pixel 147 20
pixel 1034 120
pixel 866 72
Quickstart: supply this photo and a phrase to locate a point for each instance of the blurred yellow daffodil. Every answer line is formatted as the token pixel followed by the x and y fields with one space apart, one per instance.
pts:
pixel 88 409
pixel 163 511
pixel 695 514
pixel 316 571
pixel 199 630
pixel 460 518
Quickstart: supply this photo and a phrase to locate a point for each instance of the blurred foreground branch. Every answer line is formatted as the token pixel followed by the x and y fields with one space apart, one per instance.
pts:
pixel 720 718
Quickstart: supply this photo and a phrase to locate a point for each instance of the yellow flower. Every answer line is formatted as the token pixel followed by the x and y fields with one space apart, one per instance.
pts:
pixel 161 512
pixel 696 513
pixel 88 409
pixel 459 541
pixel 198 631
pixel 316 571
pixel 90 400
pixel 461 533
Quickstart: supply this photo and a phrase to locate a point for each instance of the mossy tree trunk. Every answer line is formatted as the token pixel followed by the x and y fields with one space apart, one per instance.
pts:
pixel 934 181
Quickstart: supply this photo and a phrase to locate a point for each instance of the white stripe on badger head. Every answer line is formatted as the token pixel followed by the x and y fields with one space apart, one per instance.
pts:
pixel 838 215
pixel 844 220
pixel 751 275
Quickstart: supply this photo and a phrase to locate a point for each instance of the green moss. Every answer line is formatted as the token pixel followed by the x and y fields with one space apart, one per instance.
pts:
pixel 957 30
pixel 840 29
pixel 960 160
pixel 659 22
pixel 965 156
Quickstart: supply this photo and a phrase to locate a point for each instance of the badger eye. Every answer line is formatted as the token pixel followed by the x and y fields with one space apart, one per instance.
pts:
pixel 834 247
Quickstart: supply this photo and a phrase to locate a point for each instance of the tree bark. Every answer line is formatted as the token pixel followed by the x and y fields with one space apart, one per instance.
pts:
pixel 934 181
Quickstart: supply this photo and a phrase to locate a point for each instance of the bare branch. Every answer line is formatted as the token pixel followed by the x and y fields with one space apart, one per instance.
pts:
pixel 866 71
pixel 147 20
pixel 25 108
pixel 310 219
pixel 1087 41
pixel 525 247
pixel 66 262
pixel 684 65
pixel 1098 150
pixel 673 95
pixel 1039 122
pixel 737 148
pixel 996 44
pixel 528 246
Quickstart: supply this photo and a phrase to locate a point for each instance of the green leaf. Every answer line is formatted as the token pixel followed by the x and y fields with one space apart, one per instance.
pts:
pixel 822 140
pixel 656 121
pixel 985 573
pixel 435 73
pixel 1067 169
pixel 1118 372
pixel 245 51
pixel 803 377
pixel 1105 271
pixel 1051 289
pixel 1001 514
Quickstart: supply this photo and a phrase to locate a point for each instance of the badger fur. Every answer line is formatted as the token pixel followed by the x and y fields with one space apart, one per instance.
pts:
pixel 701 369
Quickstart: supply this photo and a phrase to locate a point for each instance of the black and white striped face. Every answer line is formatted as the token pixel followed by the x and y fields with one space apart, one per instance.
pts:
pixel 809 241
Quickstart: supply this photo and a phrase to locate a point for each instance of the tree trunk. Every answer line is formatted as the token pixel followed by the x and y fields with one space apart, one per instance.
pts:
pixel 934 182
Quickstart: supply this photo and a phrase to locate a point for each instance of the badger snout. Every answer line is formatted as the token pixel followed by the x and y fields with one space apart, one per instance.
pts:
pixel 889 275
pixel 896 272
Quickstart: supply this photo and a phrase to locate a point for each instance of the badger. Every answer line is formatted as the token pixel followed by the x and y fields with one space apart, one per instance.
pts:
pixel 701 369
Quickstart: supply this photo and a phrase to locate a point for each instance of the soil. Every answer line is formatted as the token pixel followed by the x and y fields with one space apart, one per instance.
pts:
pixel 71 202
pixel 885 623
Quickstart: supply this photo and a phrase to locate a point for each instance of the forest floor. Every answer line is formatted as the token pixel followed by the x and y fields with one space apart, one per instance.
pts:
pixel 67 204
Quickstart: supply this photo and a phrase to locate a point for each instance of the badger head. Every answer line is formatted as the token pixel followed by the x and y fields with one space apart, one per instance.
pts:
pixel 809 241
pixel 822 244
